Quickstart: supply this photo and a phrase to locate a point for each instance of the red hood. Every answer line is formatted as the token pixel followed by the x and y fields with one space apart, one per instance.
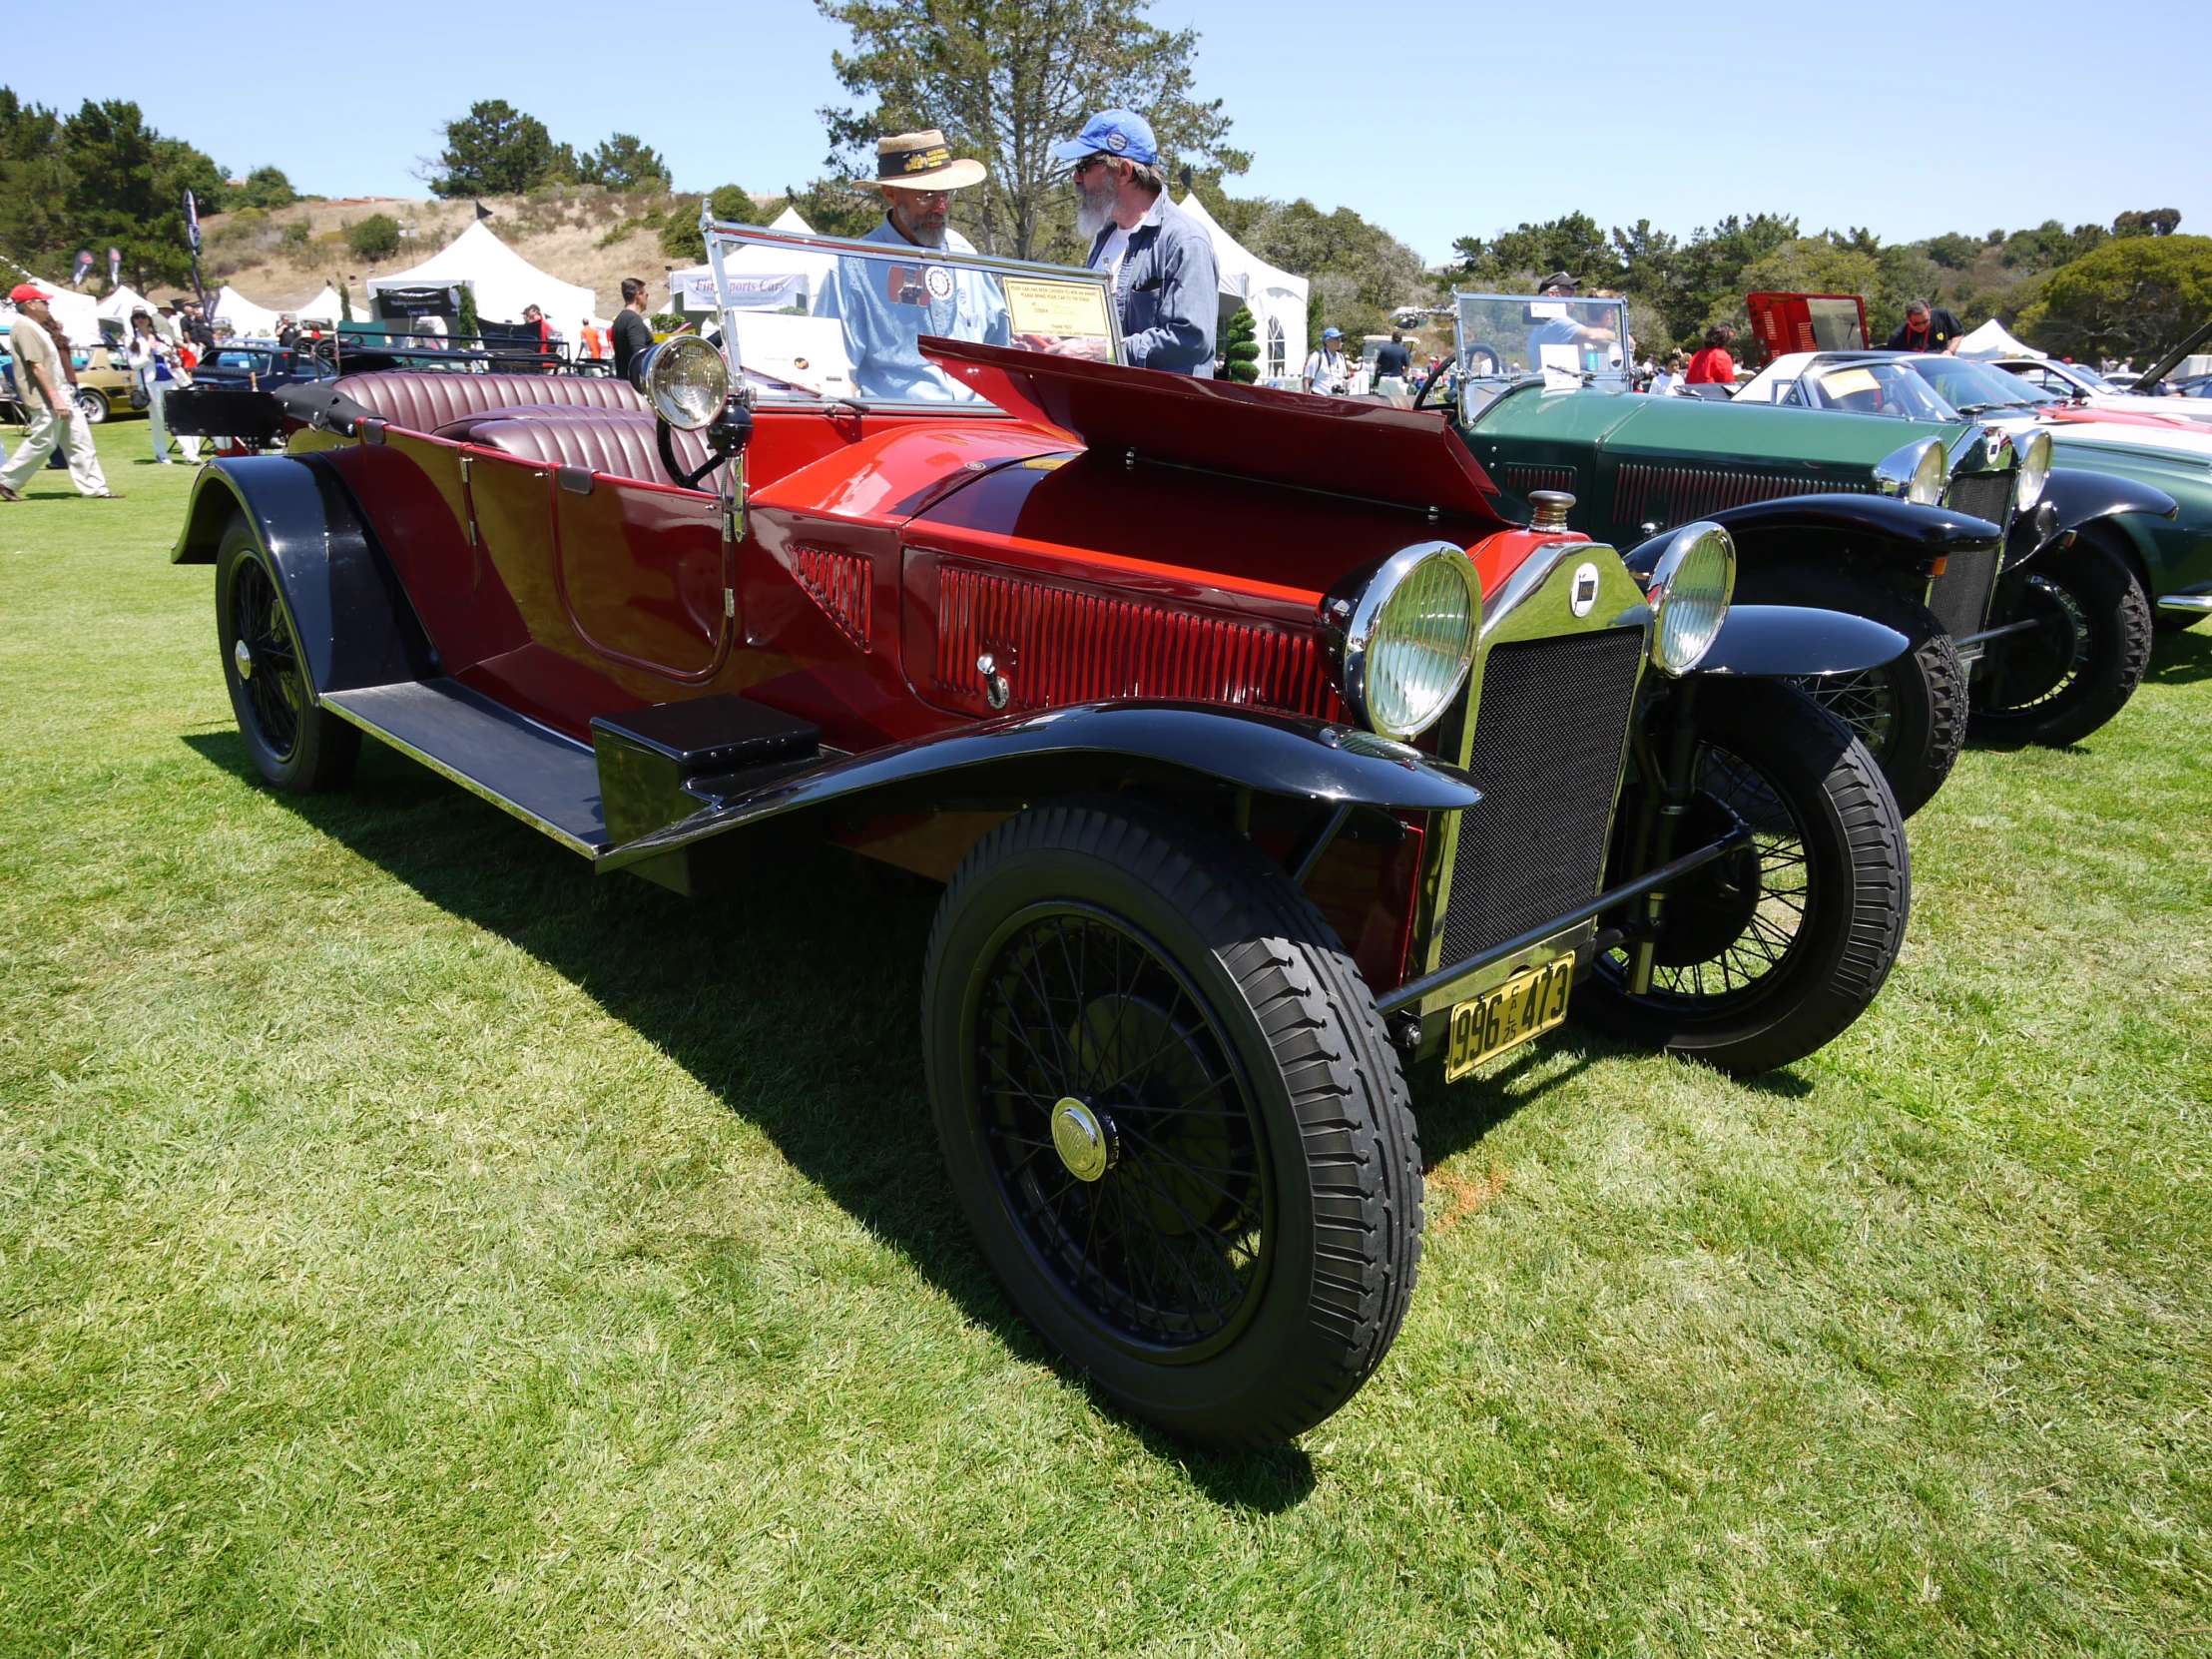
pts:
pixel 1348 445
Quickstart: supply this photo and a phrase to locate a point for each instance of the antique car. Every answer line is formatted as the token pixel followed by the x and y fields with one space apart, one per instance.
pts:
pixel 2164 544
pixel 1821 506
pixel 2080 385
pixel 1261 757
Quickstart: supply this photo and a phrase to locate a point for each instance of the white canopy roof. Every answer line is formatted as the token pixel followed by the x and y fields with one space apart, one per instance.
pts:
pixel 78 314
pixel 766 278
pixel 1278 300
pixel 1991 340
pixel 123 302
pixel 324 308
pixel 246 319
pixel 504 282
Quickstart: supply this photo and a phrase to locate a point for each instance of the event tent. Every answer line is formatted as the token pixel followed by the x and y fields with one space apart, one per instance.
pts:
pixel 768 279
pixel 1278 300
pixel 78 314
pixel 1991 340
pixel 123 302
pixel 246 319
pixel 504 282
pixel 326 306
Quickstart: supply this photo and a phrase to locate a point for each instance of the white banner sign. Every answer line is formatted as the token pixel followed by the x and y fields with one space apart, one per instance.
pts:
pixel 695 290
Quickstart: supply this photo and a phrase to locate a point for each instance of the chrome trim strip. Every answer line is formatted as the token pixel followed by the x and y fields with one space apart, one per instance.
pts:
pixel 2199 604
pixel 572 843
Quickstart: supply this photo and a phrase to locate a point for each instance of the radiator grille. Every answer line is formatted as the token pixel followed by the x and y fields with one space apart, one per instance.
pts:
pixel 1057 645
pixel 1547 754
pixel 1960 599
pixel 1524 480
pixel 1984 495
pixel 838 583
pixel 1665 495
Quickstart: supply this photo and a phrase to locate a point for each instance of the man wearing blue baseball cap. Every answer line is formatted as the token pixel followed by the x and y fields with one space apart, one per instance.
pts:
pixel 1166 284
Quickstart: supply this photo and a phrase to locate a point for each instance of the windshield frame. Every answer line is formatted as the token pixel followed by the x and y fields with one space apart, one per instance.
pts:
pixel 723 238
pixel 1799 392
pixel 1615 377
pixel 2031 396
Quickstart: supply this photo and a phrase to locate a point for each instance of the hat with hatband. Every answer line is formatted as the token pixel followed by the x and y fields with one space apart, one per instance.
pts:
pixel 920 161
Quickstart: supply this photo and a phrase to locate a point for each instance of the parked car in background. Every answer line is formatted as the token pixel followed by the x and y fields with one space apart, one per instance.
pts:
pixel 104 380
pixel 1260 754
pixel 2073 383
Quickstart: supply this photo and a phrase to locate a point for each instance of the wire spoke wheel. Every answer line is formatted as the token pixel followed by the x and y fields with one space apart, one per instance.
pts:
pixel 1119 1130
pixel 294 743
pixel 1865 702
pixel 275 690
pixel 2040 667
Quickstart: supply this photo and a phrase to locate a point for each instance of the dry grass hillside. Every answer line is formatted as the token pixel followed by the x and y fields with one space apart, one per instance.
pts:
pixel 283 258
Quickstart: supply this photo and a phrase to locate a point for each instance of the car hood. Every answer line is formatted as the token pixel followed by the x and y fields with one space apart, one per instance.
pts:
pixel 1628 424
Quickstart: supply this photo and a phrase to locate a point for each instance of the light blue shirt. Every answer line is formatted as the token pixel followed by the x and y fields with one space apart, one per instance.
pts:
pixel 888 304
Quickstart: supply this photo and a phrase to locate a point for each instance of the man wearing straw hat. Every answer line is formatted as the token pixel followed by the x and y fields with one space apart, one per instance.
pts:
pixel 886 304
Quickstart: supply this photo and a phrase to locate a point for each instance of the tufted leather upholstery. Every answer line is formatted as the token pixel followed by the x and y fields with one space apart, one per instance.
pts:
pixel 617 443
pixel 421 402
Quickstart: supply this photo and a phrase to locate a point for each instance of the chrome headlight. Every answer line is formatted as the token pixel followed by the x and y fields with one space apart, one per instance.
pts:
pixel 684 379
pixel 1689 593
pixel 1410 638
pixel 2034 470
pixel 1918 473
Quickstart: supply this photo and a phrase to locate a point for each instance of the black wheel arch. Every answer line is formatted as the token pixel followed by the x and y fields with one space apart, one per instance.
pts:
pixel 356 624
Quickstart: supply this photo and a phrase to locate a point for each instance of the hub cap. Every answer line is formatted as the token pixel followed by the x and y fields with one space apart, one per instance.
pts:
pixel 1083 1141
pixel 242 655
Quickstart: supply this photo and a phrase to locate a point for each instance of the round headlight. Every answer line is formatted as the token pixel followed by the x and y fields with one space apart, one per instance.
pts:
pixel 2034 470
pixel 1410 639
pixel 1919 472
pixel 684 379
pixel 1689 592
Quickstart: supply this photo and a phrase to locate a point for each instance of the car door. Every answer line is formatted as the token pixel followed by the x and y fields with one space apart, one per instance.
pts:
pixel 645 571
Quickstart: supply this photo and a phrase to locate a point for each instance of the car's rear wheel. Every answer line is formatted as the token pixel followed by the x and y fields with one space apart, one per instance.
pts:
pixel 294 741
pixel 1770 951
pixel 1173 1117
pixel 2078 665
pixel 1910 711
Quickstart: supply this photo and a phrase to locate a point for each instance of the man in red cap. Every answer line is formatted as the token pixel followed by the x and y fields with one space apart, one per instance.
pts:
pixel 42 384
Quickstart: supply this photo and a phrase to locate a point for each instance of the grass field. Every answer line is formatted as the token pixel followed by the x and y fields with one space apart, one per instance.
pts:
pixel 410 1245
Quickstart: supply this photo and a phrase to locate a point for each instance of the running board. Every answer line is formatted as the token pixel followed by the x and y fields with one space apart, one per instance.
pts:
pixel 548 781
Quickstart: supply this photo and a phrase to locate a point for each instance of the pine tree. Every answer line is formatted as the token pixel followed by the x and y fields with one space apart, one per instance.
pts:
pixel 1240 346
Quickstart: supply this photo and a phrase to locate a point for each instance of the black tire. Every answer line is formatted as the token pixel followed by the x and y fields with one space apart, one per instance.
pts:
pixel 294 743
pixel 1242 1267
pixel 2061 681
pixel 1910 711
pixel 95 404
pixel 1771 951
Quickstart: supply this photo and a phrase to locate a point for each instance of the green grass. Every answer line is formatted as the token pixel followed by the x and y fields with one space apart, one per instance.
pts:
pixel 411 1245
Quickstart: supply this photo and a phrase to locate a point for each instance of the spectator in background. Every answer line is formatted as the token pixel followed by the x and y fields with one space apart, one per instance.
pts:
pixel 154 360
pixel 46 383
pixel 197 328
pixel 633 333
pixel 1166 284
pixel 287 330
pixel 592 341
pixel 165 318
pixel 1328 372
pixel 1669 376
pixel 1713 366
pixel 1927 329
pixel 1392 366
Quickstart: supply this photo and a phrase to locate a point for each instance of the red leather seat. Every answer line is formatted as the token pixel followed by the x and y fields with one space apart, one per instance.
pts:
pixel 421 402
pixel 618 444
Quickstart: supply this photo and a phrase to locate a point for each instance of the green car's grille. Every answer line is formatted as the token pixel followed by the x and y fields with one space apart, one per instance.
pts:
pixel 1524 480
pixel 1663 496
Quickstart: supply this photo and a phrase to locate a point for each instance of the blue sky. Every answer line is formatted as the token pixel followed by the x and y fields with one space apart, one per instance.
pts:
pixel 1432 121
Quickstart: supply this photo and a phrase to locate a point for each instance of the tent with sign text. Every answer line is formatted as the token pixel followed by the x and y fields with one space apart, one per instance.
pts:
pixel 503 281
pixel 760 278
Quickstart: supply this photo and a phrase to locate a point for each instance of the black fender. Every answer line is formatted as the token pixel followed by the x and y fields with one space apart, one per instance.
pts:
pixel 1896 533
pixel 1029 755
pixel 356 624
pixel 2073 497
pixel 1784 640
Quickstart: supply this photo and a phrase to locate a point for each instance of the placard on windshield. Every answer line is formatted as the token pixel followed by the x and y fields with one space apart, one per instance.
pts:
pixel 1568 343
pixel 808 318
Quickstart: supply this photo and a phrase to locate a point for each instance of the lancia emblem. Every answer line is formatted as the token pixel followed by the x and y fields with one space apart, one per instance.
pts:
pixel 940 282
pixel 1582 597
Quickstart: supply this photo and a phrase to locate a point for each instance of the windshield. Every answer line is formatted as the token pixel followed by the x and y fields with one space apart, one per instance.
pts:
pixel 806 318
pixel 1969 386
pixel 257 361
pixel 1882 387
pixel 1571 342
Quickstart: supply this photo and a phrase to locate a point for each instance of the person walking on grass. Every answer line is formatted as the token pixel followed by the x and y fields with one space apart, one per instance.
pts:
pixel 44 384
pixel 154 360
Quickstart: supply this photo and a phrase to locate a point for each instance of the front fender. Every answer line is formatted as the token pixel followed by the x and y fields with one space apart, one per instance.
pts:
pixel 356 624
pixel 1781 640
pixel 1766 531
pixel 1271 754
pixel 2079 496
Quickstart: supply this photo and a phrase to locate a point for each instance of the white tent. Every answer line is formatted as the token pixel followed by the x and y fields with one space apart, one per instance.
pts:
pixel 765 279
pixel 1991 340
pixel 324 308
pixel 1278 300
pixel 123 302
pixel 246 319
pixel 504 282
pixel 78 314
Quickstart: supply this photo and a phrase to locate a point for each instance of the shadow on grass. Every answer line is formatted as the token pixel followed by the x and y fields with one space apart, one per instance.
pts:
pixel 2180 659
pixel 794 999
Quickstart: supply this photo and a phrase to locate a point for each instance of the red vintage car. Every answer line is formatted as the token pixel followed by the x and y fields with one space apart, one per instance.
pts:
pixel 1260 757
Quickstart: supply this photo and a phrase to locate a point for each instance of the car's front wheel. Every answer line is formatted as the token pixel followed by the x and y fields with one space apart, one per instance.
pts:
pixel 1173 1117
pixel 93 403
pixel 294 741
pixel 2077 664
pixel 1770 951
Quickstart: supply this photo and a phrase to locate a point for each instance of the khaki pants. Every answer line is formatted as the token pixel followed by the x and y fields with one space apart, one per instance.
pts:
pixel 48 432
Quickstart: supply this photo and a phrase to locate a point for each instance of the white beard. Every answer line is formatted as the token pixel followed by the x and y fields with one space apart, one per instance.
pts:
pixel 1093 213
pixel 930 235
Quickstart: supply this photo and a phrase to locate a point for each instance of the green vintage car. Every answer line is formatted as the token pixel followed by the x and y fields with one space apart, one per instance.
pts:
pixel 1947 529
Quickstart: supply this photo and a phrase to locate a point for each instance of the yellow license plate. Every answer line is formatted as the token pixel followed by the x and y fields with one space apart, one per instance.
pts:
pixel 1531 1002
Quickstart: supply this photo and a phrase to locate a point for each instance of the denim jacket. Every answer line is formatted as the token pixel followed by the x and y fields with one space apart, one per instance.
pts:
pixel 1169 291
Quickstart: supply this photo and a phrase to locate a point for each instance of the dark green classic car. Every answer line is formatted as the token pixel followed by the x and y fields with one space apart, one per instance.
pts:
pixel 1949 530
